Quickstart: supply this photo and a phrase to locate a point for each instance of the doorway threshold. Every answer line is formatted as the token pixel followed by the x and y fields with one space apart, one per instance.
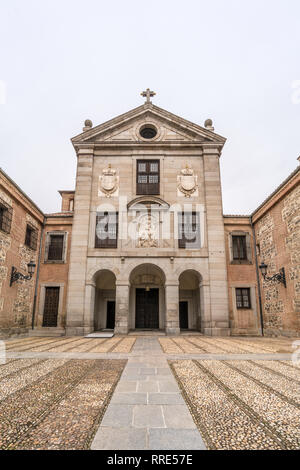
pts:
pixel 101 334
pixel 146 332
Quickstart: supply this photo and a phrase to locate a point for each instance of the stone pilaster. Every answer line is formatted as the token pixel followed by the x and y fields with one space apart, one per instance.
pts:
pixel 172 309
pixel 219 323
pixel 122 308
pixel 76 323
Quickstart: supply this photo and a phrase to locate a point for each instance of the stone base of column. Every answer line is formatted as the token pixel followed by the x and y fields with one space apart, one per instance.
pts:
pixel 172 331
pixel 216 331
pixel 75 331
pixel 121 330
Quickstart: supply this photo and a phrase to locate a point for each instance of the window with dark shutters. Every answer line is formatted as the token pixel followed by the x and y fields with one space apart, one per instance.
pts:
pixel 31 237
pixel 51 306
pixel 5 217
pixel 188 230
pixel 56 247
pixel 243 299
pixel 106 235
pixel 147 177
pixel 239 247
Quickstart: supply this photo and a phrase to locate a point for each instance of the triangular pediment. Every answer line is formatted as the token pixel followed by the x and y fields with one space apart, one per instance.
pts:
pixel 125 129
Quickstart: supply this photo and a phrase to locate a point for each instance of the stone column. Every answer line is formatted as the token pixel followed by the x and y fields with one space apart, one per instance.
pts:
pixel 89 308
pixel 172 308
pixel 205 320
pixel 75 324
pixel 218 325
pixel 122 308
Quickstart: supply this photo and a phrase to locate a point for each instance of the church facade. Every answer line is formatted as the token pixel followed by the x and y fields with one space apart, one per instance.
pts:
pixel 142 242
pixel 147 171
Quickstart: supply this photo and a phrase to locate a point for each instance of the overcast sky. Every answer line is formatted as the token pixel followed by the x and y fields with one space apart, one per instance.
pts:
pixel 235 61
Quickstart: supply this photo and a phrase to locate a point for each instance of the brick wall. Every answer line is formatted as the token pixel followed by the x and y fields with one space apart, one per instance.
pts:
pixel 242 321
pixel 277 227
pixel 54 273
pixel 16 301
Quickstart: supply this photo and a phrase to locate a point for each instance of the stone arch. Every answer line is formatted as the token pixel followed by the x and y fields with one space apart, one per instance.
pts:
pixel 104 281
pixel 90 278
pixel 146 296
pixel 190 309
pixel 145 269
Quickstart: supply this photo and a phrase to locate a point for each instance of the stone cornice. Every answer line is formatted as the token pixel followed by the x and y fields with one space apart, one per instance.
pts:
pixel 17 194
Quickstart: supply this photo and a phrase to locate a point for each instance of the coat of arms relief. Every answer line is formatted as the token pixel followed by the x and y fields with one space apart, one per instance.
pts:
pixel 108 182
pixel 187 182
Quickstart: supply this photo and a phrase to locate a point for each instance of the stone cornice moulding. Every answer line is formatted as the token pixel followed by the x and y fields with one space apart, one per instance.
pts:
pixel 156 112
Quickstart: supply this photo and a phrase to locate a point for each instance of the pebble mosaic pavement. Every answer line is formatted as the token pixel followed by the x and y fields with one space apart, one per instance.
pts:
pixel 58 403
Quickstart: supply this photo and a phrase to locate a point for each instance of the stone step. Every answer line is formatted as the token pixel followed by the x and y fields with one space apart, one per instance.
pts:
pixel 47 332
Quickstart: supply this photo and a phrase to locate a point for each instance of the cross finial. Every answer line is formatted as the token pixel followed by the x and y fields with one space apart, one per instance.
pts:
pixel 148 94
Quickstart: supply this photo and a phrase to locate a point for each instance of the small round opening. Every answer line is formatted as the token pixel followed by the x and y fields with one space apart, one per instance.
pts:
pixel 148 132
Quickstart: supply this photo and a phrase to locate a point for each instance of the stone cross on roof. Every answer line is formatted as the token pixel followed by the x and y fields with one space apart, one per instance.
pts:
pixel 148 94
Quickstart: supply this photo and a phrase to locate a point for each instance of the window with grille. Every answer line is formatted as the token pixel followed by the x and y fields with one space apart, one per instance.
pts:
pixel 56 247
pixel 106 235
pixel 5 217
pixel 147 177
pixel 243 299
pixel 188 230
pixel 31 237
pixel 239 247
pixel 51 306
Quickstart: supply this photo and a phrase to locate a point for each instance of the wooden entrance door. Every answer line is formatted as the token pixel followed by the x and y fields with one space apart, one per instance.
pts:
pixel 147 309
pixel 110 317
pixel 184 315
pixel 51 306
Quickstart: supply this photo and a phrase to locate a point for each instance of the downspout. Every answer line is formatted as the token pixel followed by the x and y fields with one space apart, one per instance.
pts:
pixel 37 275
pixel 257 278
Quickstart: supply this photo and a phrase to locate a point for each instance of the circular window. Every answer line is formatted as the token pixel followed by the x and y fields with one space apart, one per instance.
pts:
pixel 148 132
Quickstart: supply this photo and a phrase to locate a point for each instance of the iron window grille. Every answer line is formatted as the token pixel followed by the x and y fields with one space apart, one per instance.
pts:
pixel 31 237
pixel 5 217
pixel 239 247
pixel 56 248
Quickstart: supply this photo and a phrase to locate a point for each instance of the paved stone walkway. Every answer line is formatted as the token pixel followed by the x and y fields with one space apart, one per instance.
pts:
pixel 147 410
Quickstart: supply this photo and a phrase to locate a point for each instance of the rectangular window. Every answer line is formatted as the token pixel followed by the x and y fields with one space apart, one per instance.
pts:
pixel 243 299
pixel 56 247
pixel 239 247
pixel 147 177
pixel 106 235
pixel 5 217
pixel 31 237
pixel 189 230
pixel 51 306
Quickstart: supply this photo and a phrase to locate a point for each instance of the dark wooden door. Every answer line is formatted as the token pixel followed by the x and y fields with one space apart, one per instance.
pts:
pixel 110 318
pixel 147 309
pixel 51 306
pixel 183 315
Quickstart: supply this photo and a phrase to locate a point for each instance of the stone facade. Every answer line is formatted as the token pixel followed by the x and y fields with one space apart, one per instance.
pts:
pixel 114 149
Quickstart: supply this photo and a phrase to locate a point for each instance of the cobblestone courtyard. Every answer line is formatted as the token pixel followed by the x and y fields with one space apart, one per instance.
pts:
pixel 147 392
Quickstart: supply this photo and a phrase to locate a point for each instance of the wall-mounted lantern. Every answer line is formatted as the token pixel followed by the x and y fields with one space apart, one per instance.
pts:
pixel 278 277
pixel 16 276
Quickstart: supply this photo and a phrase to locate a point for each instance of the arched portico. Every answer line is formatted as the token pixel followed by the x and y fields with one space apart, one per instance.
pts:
pixel 189 300
pixel 105 300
